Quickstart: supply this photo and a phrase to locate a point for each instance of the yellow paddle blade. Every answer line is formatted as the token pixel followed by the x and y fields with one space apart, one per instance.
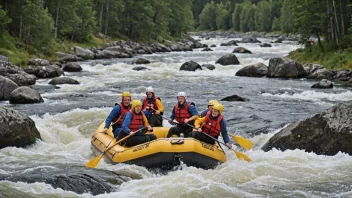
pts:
pixel 94 162
pixel 241 156
pixel 243 142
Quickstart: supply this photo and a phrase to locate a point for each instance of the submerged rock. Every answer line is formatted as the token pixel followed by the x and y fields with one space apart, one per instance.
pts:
pixel 325 133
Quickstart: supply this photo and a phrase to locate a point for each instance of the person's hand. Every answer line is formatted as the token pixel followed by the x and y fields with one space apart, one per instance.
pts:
pixel 150 128
pixel 194 130
pixel 228 145
pixel 104 130
pixel 157 112
pixel 199 129
pixel 169 120
pixel 186 120
pixel 133 132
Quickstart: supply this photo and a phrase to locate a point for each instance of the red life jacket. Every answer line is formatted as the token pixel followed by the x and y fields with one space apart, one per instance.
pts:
pixel 152 105
pixel 212 126
pixel 181 113
pixel 119 119
pixel 137 120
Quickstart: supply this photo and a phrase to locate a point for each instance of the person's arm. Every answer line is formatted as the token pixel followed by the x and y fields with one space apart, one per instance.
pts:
pixel 145 112
pixel 146 123
pixel 199 122
pixel 126 122
pixel 172 116
pixel 194 113
pixel 114 112
pixel 160 106
pixel 224 134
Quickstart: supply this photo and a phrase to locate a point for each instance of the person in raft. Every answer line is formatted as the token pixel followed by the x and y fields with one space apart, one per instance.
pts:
pixel 134 121
pixel 212 124
pixel 210 107
pixel 184 113
pixel 153 108
pixel 116 116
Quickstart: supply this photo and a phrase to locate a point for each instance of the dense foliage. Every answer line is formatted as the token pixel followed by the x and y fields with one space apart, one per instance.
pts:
pixel 36 24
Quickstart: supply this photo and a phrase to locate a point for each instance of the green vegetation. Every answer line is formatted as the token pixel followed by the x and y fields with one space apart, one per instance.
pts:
pixel 32 28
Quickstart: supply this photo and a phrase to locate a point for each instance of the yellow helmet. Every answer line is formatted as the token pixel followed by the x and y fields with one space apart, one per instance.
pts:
pixel 136 103
pixel 126 94
pixel 218 107
pixel 212 102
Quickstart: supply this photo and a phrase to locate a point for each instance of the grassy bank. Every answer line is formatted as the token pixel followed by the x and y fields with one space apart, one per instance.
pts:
pixel 330 59
pixel 20 55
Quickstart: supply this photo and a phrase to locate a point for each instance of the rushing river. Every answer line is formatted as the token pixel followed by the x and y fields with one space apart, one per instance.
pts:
pixel 71 113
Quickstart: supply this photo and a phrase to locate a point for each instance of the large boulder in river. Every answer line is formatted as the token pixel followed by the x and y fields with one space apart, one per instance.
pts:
pixel 325 133
pixel 282 67
pixel 17 129
pixel 241 50
pixel 323 84
pixel 72 67
pixel 256 70
pixel 63 80
pixel 25 95
pixel 229 59
pixel 6 87
pixel 190 66
pixel 140 61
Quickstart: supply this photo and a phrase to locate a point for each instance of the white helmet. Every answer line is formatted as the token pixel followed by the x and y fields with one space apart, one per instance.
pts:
pixel 182 93
pixel 149 89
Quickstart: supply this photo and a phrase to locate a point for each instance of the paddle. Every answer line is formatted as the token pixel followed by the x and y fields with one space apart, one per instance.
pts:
pixel 93 163
pixel 245 143
pixel 238 154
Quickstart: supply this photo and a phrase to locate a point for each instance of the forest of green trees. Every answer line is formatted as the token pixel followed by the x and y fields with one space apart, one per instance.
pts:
pixel 36 25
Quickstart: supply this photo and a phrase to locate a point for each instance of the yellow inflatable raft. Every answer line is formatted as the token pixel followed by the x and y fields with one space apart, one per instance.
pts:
pixel 162 153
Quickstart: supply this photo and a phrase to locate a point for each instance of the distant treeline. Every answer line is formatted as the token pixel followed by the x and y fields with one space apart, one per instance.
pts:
pixel 39 22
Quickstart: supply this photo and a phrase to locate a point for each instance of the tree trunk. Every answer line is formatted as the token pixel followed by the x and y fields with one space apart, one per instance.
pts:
pixel 57 18
pixel 107 17
pixel 342 21
pixel 336 23
pixel 101 17
pixel 28 35
pixel 319 41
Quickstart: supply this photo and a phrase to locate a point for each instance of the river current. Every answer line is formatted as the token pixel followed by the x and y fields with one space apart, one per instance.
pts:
pixel 71 113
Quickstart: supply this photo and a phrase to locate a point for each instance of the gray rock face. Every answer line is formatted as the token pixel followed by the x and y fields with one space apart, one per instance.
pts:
pixel 323 84
pixel 256 70
pixel 72 67
pixel 78 179
pixel 140 61
pixel 250 39
pixel 6 87
pixel 325 133
pixel 282 67
pixel 63 80
pixel 321 74
pixel 241 50
pixel 50 71
pixel 209 66
pixel 25 95
pixel 17 129
pixel 229 59
pixel 190 66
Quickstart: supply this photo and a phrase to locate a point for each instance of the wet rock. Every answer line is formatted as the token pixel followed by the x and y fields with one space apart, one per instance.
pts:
pixel 235 98
pixel 38 62
pixel 321 74
pixel 25 95
pixel 325 133
pixel 256 70
pixel 6 87
pixel 265 45
pixel 209 66
pixel 207 49
pixel 68 57
pixel 323 84
pixel 250 39
pixel 190 66
pixel 229 59
pixel 230 43
pixel 84 53
pixel 282 67
pixel 72 67
pixel 50 71
pixel 310 68
pixel 213 45
pixel 77 179
pixel 241 50
pixel 63 80
pixel 17 129
pixel 140 61
pixel 23 79
pixel 140 68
